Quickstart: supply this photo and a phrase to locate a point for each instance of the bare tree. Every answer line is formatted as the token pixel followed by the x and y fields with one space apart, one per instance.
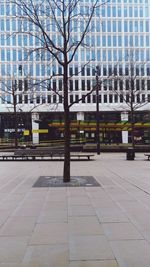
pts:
pixel 16 93
pixel 66 17
pixel 130 87
pixel 10 95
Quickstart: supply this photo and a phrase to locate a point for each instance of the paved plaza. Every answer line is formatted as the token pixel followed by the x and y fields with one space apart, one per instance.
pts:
pixel 106 226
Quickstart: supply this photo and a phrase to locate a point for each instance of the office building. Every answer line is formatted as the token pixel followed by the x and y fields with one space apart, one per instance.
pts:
pixel 117 47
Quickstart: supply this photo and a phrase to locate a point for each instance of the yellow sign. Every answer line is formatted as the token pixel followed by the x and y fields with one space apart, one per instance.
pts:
pixel 40 131
pixel 26 132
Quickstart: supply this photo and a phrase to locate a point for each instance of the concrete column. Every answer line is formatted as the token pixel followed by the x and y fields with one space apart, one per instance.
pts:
pixel 80 116
pixel 124 117
pixel 35 127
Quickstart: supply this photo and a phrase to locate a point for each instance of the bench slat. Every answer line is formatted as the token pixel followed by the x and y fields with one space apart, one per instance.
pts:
pixel 46 156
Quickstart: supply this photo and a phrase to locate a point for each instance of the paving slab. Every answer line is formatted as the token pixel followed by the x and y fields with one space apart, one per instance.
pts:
pixel 131 253
pixel 106 226
pixel 49 216
pixel 46 256
pixel 109 214
pixel 18 226
pixel 85 225
pixel 12 249
pixel 90 247
pixel 55 205
pixel 121 231
pixel 93 247
pixel 80 210
pixel 49 233
pixel 10 265
pixel 78 200
pixel 101 263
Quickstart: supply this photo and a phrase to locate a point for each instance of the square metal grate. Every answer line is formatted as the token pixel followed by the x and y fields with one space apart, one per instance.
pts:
pixel 57 181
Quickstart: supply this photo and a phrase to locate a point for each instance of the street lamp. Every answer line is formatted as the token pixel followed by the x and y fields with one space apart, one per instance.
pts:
pixel 97 111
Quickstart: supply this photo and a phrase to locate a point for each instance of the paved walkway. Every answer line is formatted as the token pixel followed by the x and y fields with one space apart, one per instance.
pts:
pixel 107 226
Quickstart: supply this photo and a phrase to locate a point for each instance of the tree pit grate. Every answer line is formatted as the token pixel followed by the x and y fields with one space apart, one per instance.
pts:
pixel 57 181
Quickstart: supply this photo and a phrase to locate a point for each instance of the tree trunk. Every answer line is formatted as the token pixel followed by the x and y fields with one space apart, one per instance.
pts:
pixel 132 129
pixel 15 117
pixel 16 133
pixel 66 172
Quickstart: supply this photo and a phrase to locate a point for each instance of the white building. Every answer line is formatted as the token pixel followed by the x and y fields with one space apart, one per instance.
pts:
pixel 118 43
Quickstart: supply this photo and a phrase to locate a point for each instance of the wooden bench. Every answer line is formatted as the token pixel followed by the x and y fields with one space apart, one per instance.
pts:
pixel 37 152
pixel 148 156
pixel 12 158
pixel 45 156
pixel 51 153
pixel 82 156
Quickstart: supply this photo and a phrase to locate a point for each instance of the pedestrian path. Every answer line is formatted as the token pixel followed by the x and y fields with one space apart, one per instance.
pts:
pixel 106 226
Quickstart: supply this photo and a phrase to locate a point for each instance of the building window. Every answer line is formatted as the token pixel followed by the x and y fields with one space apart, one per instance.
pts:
pixel 137 70
pixel 20 85
pixel 104 71
pixel 71 85
pixel 71 99
pixel 83 71
pixel 121 98
pixel 26 99
pixel 49 98
pixel 142 70
pixel 94 98
pixel 127 98
pixel 121 85
pixel 116 99
pixel 137 84
pixel 54 85
pixel 115 85
pixel 76 85
pixel 31 99
pixel 20 99
pixel 138 98
pixel 127 85
pixel 88 85
pixel 88 99
pixel 76 98
pixel 60 98
pixel 83 85
pixel 143 98
pixel 114 11
pixel 110 98
pixel 148 70
pixel 54 99
pixel 76 71
pixel 43 99
pixel 83 99
pixel 88 71
pixel 143 84
pixel 38 99
pixel 105 98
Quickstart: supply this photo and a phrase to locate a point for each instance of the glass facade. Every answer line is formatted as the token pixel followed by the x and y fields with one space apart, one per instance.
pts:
pixel 118 42
pixel 117 29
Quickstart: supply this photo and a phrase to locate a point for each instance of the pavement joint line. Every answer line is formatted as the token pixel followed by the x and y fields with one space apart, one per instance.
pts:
pixel 131 183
